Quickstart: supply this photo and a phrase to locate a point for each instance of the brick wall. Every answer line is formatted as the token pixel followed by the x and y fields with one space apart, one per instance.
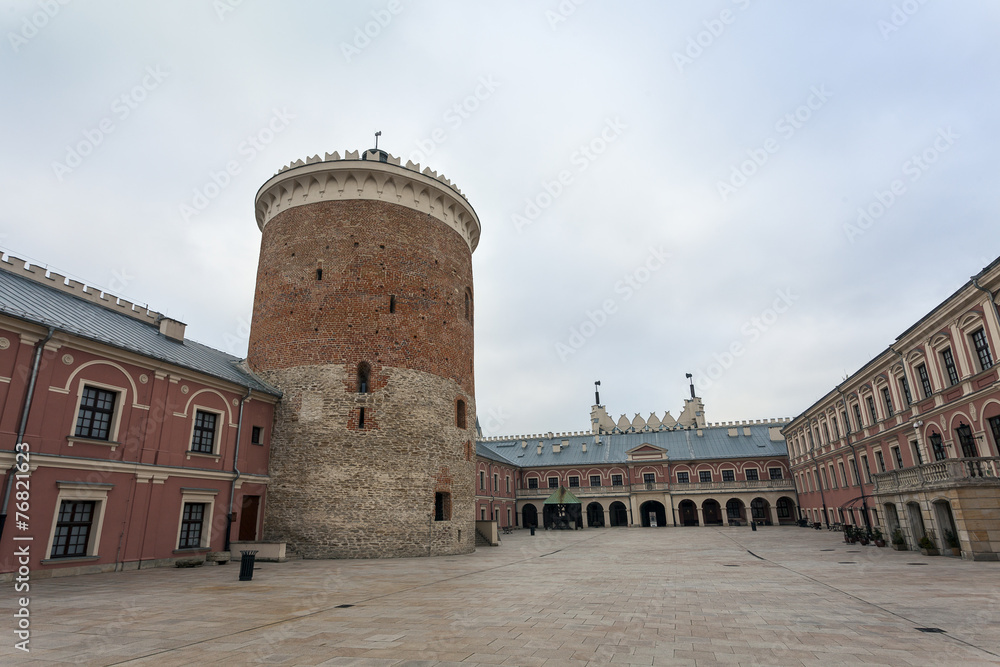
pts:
pixel 341 490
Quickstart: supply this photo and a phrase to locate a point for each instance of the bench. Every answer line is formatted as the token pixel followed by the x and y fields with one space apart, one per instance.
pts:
pixel 507 530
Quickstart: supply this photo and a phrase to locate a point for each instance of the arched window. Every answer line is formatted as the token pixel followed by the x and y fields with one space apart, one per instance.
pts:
pixel 364 371
pixel 460 413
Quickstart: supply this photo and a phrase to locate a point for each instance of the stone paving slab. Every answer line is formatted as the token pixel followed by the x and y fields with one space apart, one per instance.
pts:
pixel 616 596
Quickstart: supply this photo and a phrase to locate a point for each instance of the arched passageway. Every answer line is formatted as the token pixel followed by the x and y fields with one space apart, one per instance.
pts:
pixel 619 514
pixel 688 513
pixel 651 511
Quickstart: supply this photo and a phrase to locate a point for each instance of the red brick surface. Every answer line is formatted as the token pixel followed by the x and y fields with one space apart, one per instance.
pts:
pixel 368 251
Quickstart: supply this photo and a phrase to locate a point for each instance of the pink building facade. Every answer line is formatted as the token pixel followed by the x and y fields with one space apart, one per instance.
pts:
pixel 908 444
pixel 123 444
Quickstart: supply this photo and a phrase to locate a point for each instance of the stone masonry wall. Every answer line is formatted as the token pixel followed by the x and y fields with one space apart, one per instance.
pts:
pixel 342 492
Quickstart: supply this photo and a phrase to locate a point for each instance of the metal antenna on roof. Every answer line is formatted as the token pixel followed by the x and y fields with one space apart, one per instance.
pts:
pixel 689 377
pixel 597 394
pixel 377 135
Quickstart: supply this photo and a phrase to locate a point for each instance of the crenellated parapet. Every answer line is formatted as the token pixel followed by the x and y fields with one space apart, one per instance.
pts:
pixel 374 175
pixel 18 266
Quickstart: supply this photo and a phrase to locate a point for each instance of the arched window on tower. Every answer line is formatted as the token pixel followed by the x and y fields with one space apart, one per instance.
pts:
pixel 364 371
pixel 460 413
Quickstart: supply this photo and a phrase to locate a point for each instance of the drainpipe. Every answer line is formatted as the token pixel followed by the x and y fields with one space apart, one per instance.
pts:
pixel 857 468
pixel 236 457
pixel 819 477
pixel 993 297
pixel 24 423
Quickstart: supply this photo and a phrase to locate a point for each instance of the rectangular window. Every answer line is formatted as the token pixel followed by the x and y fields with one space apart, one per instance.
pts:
pixel 728 475
pixel 864 466
pixel 255 435
pixel 553 482
pixel 937 446
pixel 705 476
pixel 855 477
pixel 649 478
pixel 774 473
pixel 836 429
pixel 482 481
pixel 871 409
pixel 995 429
pixel 887 399
pixel 917 456
pixel 496 482
pixel 97 407
pixel 595 480
pixel 949 365
pixel 752 474
pixel 833 478
pixel 682 478
pixel 507 482
pixel 574 481
pixel 968 443
pixel 532 483
pixel 897 456
pixel 73 527
pixel 857 416
pixel 847 422
pixel 826 433
pixel 203 440
pixel 879 461
pixel 843 475
pixel 616 480
pixel 925 380
pixel 982 349
pixel 191 523
pixel 905 386
pixel 442 506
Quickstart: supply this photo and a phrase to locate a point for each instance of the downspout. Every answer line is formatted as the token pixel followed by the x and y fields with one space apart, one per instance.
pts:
pixel 993 297
pixel 236 470
pixel 819 474
pixel 24 423
pixel 857 469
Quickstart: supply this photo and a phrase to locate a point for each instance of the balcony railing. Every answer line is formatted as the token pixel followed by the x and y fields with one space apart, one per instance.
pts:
pixel 694 487
pixel 950 472
pixel 736 485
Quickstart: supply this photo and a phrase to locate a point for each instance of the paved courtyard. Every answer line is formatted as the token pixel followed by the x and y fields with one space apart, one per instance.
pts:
pixel 678 596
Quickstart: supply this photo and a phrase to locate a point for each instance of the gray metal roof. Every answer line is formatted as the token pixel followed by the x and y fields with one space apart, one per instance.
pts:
pixel 681 445
pixel 25 299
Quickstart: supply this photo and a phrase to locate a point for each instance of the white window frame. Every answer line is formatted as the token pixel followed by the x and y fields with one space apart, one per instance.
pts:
pixel 80 491
pixel 206 496
pixel 121 395
pixel 217 439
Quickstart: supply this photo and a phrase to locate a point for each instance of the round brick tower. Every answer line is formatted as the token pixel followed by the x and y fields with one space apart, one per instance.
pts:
pixel 363 318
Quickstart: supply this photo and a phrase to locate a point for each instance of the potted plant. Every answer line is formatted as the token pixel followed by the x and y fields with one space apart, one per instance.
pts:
pixel 849 534
pixel 862 536
pixel 927 547
pixel 877 536
pixel 898 542
pixel 951 539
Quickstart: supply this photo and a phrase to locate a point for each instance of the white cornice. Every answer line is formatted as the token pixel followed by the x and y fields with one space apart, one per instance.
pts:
pixel 367 179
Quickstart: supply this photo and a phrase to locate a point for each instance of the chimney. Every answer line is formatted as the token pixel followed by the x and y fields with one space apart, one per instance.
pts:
pixel 172 329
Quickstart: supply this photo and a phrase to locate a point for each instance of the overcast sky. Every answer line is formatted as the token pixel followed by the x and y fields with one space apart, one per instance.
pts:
pixel 763 194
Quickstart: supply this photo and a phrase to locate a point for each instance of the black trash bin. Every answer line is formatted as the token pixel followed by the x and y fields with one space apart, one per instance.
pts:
pixel 246 564
pixel 753 525
pixel 532 530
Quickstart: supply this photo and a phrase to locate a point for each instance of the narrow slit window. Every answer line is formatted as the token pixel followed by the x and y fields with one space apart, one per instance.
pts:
pixel 319 273
pixel 364 373
pixel 361 418
pixel 392 303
